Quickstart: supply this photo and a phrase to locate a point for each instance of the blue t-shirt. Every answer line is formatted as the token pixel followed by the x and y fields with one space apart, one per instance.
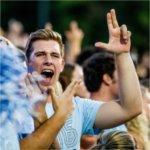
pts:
pixel 80 122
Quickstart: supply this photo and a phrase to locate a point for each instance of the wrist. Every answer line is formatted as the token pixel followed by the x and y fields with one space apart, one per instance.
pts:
pixel 121 54
pixel 61 115
pixel 75 42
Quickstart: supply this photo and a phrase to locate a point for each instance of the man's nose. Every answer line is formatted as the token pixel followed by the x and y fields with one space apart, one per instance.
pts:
pixel 48 60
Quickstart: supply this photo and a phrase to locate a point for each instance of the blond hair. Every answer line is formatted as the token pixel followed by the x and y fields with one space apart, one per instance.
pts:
pixel 43 34
pixel 115 140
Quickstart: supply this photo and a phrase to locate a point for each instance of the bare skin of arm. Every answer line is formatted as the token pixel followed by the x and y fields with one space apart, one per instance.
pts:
pixel 45 134
pixel 112 114
pixel 74 37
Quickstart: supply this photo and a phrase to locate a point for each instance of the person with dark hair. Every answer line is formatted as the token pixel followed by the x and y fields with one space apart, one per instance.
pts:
pixel 101 80
pixel 86 53
pixel 45 56
pixel 114 140
pixel 100 75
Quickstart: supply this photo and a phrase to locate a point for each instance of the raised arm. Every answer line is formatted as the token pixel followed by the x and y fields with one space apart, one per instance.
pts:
pixel 74 40
pixel 112 114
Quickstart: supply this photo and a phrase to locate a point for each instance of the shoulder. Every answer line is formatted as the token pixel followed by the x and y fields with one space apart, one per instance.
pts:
pixel 86 102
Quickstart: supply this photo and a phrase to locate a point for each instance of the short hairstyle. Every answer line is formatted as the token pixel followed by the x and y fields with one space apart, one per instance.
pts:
pixel 43 34
pixel 114 140
pixel 87 53
pixel 95 67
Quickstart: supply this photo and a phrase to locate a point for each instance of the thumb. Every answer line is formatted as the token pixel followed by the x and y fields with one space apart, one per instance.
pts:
pixel 102 45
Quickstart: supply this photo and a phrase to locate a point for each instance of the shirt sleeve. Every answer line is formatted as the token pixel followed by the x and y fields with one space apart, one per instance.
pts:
pixel 90 109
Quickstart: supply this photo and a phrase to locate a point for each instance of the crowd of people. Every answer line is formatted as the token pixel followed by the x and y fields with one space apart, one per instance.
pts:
pixel 56 96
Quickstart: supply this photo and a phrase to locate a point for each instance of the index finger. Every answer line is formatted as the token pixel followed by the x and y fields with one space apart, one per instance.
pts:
pixel 109 22
pixel 52 97
pixel 71 87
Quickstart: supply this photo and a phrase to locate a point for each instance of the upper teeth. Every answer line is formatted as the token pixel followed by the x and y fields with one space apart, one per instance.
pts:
pixel 46 70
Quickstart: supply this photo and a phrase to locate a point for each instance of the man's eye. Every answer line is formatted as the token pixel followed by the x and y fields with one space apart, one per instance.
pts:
pixel 39 54
pixel 55 55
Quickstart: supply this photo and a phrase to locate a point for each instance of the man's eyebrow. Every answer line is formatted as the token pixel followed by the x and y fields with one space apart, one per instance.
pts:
pixel 36 51
pixel 55 53
pixel 42 51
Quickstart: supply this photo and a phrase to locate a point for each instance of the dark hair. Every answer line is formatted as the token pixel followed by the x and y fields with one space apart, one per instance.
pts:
pixel 86 53
pixel 43 34
pixel 116 140
pixel 95 67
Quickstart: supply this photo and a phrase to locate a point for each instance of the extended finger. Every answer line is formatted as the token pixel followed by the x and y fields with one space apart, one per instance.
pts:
pixel 124 32
pixel 73 90
pixel 70 87
pixel 52 97
pixel 73 25
pixel 114 19
pixel 109 22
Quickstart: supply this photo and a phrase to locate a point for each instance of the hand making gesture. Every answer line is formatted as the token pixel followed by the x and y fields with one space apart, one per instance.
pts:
pixel 75 34
pixel 63 104
pixel 119 36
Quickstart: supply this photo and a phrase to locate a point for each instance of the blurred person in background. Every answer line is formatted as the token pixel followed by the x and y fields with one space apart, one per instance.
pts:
pixel 74 40
pixel 101 80
pixel 15 109
pixel 48 26
pixel 115 140
pixel 1 31
pixel 143 67
pixel 45 55
pixel 16 34
pixel 139 127
pixel 73 72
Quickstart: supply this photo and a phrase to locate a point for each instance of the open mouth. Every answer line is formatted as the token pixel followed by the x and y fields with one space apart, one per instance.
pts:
pixel 47 73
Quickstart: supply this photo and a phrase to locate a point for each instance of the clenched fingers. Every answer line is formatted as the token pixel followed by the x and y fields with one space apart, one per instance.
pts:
pixel 124 32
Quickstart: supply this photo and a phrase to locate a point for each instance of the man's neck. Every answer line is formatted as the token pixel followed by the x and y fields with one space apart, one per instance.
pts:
pixel 102 95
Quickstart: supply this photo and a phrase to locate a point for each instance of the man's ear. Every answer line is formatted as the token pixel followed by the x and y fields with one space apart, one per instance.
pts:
pixel 107 79
pixel 63 64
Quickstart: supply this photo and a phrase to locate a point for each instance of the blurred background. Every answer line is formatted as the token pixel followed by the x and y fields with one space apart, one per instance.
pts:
pixel 90 15
pixel 20 18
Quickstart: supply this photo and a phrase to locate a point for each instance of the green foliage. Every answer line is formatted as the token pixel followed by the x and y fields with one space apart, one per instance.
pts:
pixel 90 15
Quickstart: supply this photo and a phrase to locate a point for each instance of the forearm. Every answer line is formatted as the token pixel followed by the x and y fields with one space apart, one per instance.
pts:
pixel 43 137
pixel 130 94
pixel 74 51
